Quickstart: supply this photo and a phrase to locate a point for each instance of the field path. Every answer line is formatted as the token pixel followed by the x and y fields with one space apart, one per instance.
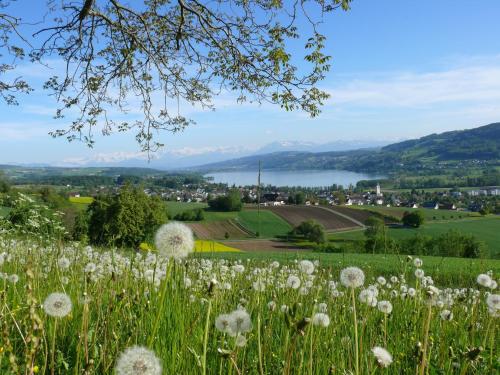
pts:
pixel 357 222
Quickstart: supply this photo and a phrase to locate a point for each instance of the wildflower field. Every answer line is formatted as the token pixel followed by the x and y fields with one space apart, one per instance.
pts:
pixel 71 309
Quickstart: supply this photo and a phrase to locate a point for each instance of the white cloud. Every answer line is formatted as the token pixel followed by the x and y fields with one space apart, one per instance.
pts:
pixel 471 85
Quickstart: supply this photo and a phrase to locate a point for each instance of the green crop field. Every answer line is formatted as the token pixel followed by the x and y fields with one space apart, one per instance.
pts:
pixel 81 200
pixel 271 225
pixel 429 214
pixel 174 208
pixel 485 229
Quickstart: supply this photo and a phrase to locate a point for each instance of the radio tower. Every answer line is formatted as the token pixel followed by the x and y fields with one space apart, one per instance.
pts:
pixel 258 201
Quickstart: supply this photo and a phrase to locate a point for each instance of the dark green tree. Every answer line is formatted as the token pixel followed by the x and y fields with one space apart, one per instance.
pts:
pixel 413 219
pixel 126 218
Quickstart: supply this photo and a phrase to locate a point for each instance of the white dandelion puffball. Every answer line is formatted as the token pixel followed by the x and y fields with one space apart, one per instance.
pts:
pixel 240 322
pixel 138 361
pixel 381 280
pixel 174 240
pixel 493 301
pixel 293 282
pixel 417 262
pixel 385 307
pixel 419 273
pixel 222 323
pixel 306 266
pixel 446 315
pixel 367 296
pixel 383 357
pixel 240 341
pixel 57 305
pixel 352 277
pixel 484 280
pixel 321 319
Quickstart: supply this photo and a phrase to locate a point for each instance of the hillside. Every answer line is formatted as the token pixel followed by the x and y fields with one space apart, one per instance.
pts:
pixel 477 147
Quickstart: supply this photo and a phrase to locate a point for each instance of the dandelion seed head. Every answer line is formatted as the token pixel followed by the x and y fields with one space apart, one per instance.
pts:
pixel 240 341
pixel 484 280
pixel 321 320
pixel 419 273
pixel 493 301
pixel 306 266
pixel 446 315
pixel 174 240
pixel 417 262
pixel 385 307
pixel 383 357
pixel 138 361
pixel 57 305
pixel 293 282
pixel 352 277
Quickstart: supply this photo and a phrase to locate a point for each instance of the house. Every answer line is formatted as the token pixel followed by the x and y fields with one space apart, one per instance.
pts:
pixel 431 205
pixel 495 192
pixel 447 206
pixel 379 201
pixel 74 195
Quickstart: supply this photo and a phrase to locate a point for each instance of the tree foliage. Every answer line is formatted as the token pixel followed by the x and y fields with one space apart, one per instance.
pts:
pixel 310 230
pixel 413 219
pixel 124 219
pixel 229 202
pixel 156 54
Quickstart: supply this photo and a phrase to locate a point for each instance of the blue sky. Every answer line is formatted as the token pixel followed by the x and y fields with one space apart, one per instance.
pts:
pixel 401 69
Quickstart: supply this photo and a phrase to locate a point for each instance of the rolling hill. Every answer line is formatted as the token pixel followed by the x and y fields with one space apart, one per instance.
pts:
pixel 478 146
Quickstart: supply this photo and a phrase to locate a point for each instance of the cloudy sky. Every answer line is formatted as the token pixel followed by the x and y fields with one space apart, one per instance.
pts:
pixel 401 69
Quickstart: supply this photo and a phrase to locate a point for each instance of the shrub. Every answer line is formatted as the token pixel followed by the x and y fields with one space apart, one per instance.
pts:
pixel 413 219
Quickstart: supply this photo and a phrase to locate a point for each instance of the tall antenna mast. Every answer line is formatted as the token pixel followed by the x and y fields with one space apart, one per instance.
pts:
pixel 258 200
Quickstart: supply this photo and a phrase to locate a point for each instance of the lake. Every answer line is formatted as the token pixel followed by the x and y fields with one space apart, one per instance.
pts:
pixel 310 178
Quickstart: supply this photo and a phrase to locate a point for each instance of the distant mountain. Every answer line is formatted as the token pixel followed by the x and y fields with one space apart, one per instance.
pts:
pixel 181 158
pixel 479 145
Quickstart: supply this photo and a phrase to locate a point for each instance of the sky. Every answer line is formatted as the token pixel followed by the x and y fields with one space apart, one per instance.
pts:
pixel 401 69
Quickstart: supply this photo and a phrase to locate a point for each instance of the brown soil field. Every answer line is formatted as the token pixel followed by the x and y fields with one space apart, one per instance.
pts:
pixel 360 215
pixel 217 230
pixel 297 214
pixel 263 245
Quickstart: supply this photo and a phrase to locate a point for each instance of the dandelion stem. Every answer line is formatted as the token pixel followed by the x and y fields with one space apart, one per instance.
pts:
pixel 261 368
pixel 53 349
pixel 205 339
pixel 162 304
pixel 426 340
pixel 356 351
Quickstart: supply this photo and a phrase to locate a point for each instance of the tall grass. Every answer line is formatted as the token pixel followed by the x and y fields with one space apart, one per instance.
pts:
pixel 125 299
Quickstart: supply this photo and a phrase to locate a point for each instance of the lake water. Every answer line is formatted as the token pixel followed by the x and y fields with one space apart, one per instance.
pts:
pixel 312 178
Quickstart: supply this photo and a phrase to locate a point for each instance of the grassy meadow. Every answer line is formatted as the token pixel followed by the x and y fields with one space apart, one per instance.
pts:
pixel 241 313
pixel 486 229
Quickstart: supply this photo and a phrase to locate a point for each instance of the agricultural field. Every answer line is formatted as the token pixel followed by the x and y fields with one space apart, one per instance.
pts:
pixel 429 214
pixel 271 225
pixel 81 200
pixel 174 208
pixel 360 215
pixel 75 309
pixel 204 246
pixel 219 230
pixel 485 229
pixel 295 215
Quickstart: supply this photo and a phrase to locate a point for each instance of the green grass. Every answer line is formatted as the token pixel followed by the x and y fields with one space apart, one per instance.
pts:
pixel 270 226
pixel 220 216
pixel 81 200
pixel 486 229
pixel 429 214
pixel 123 301
pixel 4 211
pixel 174 208
pixel 444 270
